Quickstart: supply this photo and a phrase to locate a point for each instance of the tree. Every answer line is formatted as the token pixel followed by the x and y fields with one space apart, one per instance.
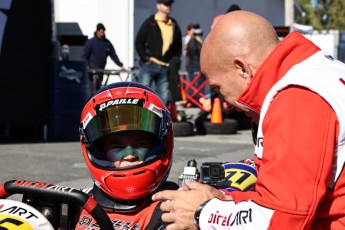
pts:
pixel 336 11
pixel 322 14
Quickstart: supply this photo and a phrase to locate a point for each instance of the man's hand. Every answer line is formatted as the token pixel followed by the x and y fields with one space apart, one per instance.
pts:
pixel 181 204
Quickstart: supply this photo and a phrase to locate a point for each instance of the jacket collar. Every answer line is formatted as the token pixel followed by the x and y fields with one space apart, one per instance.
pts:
pixel 158 18
pixel 292 50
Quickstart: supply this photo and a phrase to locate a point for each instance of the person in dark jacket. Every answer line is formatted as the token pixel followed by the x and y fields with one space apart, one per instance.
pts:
pixel 158 41
pixel 96 52
pixel 193 65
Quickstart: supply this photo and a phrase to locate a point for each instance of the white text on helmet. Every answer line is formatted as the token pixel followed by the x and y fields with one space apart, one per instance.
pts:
pixel 121 101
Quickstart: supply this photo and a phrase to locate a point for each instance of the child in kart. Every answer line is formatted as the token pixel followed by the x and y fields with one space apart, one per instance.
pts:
pixel 127 143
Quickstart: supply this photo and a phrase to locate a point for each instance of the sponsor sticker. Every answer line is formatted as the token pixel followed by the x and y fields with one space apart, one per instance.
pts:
pixel 86 120
pixel 121 101
pixel 156 110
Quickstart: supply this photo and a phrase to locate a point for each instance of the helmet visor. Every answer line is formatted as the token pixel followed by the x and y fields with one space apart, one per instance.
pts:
pixel 123 118
pixel 115 158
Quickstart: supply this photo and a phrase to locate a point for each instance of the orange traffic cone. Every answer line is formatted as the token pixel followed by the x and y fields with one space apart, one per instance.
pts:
pixel 216 116
pixel 173 111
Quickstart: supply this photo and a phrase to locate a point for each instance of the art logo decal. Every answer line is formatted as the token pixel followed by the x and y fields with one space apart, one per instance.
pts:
pixel 17 215
pixel 240 218
pixel 13 216
pixel 4 6
pixel 70 74
pixel 43 186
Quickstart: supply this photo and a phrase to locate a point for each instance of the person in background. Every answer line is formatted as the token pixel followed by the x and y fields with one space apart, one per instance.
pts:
pixel 193 55
pixel 188 36
pixel 295 92
pixel 159 42
pixel 95 53
pixel 127 143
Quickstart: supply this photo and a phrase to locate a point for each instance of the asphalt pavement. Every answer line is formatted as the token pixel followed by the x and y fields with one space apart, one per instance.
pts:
pixel 62 163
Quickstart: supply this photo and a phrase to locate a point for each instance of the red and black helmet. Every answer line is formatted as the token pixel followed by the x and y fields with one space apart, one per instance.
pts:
pixel 125 107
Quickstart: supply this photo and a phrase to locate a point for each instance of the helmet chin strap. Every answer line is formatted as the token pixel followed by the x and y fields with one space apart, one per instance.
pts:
pixel 112 205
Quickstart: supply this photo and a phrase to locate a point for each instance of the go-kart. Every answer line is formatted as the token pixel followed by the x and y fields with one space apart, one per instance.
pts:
pixel 46 206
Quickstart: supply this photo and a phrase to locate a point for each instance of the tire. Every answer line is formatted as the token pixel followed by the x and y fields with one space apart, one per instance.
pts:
pixel 228 126
pixel 182 129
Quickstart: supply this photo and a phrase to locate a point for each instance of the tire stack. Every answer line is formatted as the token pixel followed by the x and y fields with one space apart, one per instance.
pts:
pixel 216 125
pixel 205 126
pixel 183 129
pixel 181 126
pixel 202 123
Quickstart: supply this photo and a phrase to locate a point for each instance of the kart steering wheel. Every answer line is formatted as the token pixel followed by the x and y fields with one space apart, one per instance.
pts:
pixel 58 194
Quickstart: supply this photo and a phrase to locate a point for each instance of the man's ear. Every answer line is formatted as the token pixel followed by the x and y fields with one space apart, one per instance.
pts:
pixel 242 67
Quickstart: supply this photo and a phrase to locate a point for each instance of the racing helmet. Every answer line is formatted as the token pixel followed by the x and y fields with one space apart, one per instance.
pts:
pixel 117 109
